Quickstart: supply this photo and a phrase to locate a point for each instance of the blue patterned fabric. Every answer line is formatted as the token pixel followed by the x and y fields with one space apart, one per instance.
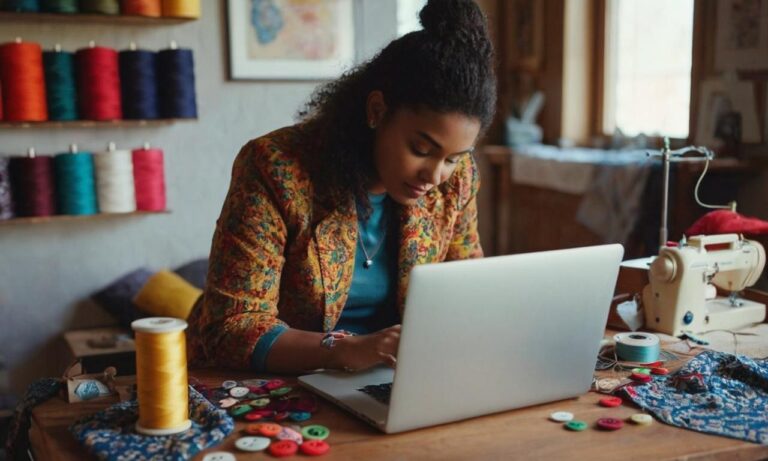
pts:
pixel 716 393
pixel 110 434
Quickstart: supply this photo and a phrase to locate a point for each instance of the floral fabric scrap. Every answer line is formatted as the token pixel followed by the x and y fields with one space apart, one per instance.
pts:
pixel 111 435
pixel 716 393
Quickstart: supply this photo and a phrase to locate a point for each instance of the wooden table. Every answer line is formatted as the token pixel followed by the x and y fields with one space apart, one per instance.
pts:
pixel 520 434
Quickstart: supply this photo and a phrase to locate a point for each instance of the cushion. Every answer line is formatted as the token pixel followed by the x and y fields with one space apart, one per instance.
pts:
pixel 194 272
pixel 166 294
pixel 117 297
pixel 727 222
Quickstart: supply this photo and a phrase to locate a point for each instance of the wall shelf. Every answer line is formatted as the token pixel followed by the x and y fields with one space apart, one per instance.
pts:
pixel 64 218
pixel 92 18
pixel 93 123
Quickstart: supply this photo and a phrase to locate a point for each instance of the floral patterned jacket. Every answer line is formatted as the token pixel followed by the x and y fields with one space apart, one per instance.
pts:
pixel 280 258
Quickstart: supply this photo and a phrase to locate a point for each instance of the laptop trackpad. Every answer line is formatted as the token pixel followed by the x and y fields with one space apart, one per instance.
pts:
pixel 344 389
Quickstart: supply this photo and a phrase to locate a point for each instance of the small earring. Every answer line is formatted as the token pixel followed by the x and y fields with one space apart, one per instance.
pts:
pixel 371 123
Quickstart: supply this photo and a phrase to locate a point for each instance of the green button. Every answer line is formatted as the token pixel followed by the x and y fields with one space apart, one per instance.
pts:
pixel 644 371
pixel 238 410
pixel 315 432
pixel 259 403
pixel 281 391
pixel 576 425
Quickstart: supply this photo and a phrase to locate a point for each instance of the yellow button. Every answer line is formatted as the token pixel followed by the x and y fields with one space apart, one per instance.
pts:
pixel 641 419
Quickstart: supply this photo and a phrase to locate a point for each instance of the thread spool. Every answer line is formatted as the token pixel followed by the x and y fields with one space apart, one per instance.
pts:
pixel 21 6
pixel 32 185
pixel 138 84
pixel 23 82
pixel 59 6
pixel 6 200
pixel 61 89
pixel 637 347
pixel 149 178
pixel 161 375
pixel 151 8
pixel 181 8
pixel 75 184
pixel 176 83
pixel 98 83
pixel 114 180
pixel 100 6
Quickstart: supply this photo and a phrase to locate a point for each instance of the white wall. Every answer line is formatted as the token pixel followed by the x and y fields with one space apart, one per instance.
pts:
pixel 48 270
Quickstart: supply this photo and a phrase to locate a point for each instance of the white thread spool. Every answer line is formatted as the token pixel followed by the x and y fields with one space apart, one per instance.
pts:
pixel 114 180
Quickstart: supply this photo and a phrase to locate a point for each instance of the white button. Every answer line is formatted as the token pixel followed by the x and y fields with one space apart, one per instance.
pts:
pixel 561 416
pixel 219 456
pixel 227 385
pixel 238 392
pixel 252 443
pixel 641 419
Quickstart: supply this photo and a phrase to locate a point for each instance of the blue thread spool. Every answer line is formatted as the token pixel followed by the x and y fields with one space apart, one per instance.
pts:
pixel 138 84
pixel 21 6
pixel 637 347
pixel 176 83
pixel 75 183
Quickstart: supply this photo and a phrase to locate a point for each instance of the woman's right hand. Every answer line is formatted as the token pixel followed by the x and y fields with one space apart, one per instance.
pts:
pixel 355 353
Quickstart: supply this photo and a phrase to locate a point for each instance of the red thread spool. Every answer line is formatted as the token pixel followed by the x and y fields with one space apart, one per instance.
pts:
pixel 33 186
pixel 98 84
pixel 149 179
pixel 23 82
pixel 141 7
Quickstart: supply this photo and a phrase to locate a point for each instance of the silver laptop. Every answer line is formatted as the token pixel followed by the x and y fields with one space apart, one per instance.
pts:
pixel 486 335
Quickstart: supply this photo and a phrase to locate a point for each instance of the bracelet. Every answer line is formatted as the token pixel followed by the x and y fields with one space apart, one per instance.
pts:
pixel 329 339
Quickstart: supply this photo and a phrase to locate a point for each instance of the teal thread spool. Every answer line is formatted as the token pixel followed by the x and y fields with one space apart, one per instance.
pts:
pixel 75 183
pixel 637 347
pixel 59 6
pixel 61 90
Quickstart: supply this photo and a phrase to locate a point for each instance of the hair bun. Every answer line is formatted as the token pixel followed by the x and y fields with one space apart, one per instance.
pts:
pixel 443 17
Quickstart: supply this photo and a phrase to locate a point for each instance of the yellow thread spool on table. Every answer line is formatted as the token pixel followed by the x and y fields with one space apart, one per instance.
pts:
pixel 181 8
pixel 161 375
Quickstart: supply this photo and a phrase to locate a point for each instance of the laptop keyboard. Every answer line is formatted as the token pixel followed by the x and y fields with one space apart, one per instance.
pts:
pixel 380 392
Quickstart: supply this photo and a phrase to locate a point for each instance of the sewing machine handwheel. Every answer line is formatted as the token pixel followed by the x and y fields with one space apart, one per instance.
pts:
pixel 663 268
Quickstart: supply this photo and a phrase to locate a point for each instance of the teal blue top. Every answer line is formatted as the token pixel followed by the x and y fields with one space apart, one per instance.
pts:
pixel 367 309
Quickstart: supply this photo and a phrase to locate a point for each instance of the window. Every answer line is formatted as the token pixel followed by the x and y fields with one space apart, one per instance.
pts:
pixel 647 81
pixel 408 15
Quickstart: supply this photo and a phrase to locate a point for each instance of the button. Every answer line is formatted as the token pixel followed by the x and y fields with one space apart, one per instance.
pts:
pixel 265 429
pixel 228 402
pixel 227 385
pixel 561 416
pixel 280 391
pixel 299 416
pixel 610 424
pixel 659 371
pixel 577 426
pixel 239 392
pixel 254 416
pixel 644 371
pixel 259 403
pixel 641 419
pixel 315 432
pixel 274 384
pixel 315 447
pixel 252 443
pixel 290 434
pixel 281 416
pixel 219 456
pixel 305 403
pixel 640 377
pixel 611 401
pixel 239 410
pixel 283 448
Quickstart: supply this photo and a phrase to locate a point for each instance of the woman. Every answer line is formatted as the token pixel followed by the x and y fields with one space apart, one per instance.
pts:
pixel 324 220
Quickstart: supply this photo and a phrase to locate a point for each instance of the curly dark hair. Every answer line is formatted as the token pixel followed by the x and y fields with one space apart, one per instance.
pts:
pixel 445 67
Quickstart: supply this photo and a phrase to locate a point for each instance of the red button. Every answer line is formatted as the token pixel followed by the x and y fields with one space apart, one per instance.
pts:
pixel 282 416
pixel 659 371
pixel 610 424
pixel 611 401
pixel 283 448
pixel 254 416
pixel 315 447
pixel 274 384
pixel 643 378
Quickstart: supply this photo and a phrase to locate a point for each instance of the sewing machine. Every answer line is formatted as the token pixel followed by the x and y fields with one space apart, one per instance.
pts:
pixel 681 296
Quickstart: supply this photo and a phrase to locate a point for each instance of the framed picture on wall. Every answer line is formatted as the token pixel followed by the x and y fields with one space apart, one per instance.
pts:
pixel 741 40
pixel 289 39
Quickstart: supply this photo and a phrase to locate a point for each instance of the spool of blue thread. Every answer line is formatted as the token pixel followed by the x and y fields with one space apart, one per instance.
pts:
pixel 637 347
pixel 22 6
pixel 75 183
pixel 176 83
pixel 60 85
pixel 138 84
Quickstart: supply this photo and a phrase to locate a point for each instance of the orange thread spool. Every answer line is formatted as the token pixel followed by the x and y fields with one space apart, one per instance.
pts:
pixel 150 8
pixel 23 82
